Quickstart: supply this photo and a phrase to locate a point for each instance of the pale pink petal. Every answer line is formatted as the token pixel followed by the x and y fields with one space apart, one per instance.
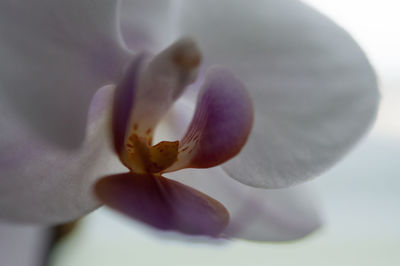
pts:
pixel 54 55
pixel 314 91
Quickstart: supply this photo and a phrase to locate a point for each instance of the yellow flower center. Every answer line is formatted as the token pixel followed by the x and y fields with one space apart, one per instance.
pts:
pixel 142 157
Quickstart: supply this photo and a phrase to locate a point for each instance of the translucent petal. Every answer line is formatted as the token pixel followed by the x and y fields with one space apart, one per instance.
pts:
pixel 314 91
pixel 41 183
pixel 54 55
pixel 163 203
pixel 148 24
pixel 257 214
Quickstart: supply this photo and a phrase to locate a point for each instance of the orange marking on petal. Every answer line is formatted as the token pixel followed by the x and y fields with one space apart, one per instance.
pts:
pixel 163 155
pixel 140 157
pixel 185 60
pixel 136 155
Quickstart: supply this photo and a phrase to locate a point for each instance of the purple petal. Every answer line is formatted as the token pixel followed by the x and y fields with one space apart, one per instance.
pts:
pixel 315 93
pixel 54 55
pixel 221 123
pixel 163 203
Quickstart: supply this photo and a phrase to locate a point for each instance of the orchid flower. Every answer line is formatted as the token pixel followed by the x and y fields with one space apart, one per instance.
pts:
pixel 268 93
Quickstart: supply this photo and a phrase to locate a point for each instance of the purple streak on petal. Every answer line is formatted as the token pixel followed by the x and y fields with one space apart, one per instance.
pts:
pixel 123 102
pixel 222 121
pixel 163 203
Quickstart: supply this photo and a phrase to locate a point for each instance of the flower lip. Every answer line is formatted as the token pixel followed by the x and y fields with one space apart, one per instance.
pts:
pixel 163 203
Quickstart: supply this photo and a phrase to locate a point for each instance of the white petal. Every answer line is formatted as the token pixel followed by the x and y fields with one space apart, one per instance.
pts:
pixel 41 183
pixel 54 55
pixel 256 214
pixel 148 24
pixel 314 92
pixel 176 121
pixel 162 81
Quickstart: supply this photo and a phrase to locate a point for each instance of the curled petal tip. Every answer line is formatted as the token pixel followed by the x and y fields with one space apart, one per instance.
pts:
pixel 221 124
pixel 186 54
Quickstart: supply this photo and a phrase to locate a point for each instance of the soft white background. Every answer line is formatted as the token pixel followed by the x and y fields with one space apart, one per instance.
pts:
pixel 360 197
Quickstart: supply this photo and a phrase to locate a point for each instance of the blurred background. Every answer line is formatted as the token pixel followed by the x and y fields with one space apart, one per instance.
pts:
pixel 359 198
